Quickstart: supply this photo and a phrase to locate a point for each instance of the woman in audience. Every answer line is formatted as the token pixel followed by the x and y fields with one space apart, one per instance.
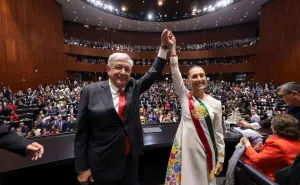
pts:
pixel 198 149
pixel 279 150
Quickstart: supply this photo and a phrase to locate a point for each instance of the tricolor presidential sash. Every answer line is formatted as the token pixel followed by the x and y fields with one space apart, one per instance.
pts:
pixel 199 115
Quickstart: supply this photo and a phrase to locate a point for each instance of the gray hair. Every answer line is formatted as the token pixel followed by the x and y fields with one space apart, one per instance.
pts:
pixel 289 87
pixel 117 57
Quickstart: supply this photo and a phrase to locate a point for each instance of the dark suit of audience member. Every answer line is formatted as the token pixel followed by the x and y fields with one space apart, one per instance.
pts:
pixel 62 125
pixel 103 137
pixel 71 125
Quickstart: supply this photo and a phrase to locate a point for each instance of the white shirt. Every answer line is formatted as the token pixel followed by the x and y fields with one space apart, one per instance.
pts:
pixel 115 90
pixel 115 95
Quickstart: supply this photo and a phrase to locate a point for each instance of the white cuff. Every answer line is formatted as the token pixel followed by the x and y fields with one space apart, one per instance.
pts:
pixel 162 54
pixel 174 60
pixel 255 125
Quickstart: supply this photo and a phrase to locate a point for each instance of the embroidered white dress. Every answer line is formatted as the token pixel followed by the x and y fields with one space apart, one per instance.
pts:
pixel 188 163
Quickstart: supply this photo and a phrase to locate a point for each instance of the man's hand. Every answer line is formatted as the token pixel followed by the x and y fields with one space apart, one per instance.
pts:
pixel 85 177
pixel 244 124
pixel 35 151
pixel 219 168
pixel 167 39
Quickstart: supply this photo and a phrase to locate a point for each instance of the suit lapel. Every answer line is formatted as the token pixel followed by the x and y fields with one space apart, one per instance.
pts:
pixel 106 96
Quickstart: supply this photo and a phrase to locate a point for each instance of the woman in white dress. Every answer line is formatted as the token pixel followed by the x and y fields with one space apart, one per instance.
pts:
pixel 197 154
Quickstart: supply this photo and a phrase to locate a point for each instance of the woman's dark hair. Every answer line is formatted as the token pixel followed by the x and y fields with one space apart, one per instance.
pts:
pixel 286 126
pixel 188 74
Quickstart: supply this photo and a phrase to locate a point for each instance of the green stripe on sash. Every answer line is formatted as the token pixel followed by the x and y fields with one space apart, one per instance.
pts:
pixel 210 129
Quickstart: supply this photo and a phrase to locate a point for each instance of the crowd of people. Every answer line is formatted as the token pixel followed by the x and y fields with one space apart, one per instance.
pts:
pixel 51 109
pixel 160 103
pixel 143 62
pixel 141 48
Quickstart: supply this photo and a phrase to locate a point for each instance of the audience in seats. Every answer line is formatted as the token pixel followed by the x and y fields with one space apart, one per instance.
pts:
pixel 141 48
pixel 39 107
pixel 279 150
pixel 143 62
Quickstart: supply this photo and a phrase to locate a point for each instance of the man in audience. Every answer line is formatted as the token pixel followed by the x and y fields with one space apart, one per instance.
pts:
pixel 254 116
pixel 108 137
pixel 61 124
pixel 23 128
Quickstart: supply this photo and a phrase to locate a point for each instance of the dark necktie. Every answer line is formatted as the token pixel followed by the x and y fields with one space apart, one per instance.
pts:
pixel 121 110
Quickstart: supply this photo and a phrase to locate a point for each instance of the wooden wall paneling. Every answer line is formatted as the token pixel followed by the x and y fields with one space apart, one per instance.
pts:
pixel 31 38
pixel 279 47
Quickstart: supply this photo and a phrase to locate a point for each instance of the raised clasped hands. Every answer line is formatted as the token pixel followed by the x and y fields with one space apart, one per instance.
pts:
pixel 168 39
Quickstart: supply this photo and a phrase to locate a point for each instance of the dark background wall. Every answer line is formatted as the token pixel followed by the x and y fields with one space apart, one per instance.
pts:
pixel 31 38
pixel 279 48
pixel 125 37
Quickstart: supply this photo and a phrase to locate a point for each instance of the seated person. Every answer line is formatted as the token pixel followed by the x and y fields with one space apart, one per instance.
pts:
pixel 279 150
pixel 254 116
pixel 143 120
pixel 13 116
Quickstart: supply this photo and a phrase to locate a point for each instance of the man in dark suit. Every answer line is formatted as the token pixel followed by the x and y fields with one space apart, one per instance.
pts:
pixel 20 145
pixel 62 125
pixel 108 137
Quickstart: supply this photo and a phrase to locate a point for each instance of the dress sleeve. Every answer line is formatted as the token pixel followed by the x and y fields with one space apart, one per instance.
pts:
pixel 177 78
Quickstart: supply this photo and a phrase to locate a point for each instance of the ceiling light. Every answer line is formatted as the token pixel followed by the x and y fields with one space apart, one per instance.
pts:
pixel 176 1
pixel 123 8
pixel 100 18
pixel 74 12
pixel 150 16
pixel 87 19
pixel 252 2
pixel 110 7
pixel 83 7
pixel 160 2
pixel 194 9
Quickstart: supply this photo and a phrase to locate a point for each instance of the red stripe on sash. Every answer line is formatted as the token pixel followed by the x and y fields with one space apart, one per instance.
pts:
pixel 201 134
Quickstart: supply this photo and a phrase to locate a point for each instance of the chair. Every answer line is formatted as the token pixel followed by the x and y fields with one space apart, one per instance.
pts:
pixel 245 174
pixel 289 175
